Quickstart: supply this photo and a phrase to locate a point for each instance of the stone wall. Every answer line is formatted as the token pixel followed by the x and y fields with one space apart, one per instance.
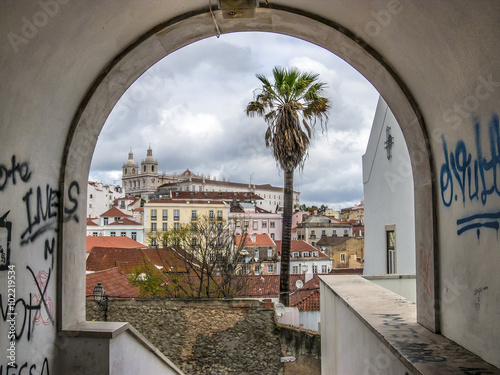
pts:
pixel 305 346
pixel 205 336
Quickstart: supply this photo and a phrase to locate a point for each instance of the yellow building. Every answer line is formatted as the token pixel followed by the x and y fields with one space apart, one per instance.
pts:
pixel 167 214
pixel 346 252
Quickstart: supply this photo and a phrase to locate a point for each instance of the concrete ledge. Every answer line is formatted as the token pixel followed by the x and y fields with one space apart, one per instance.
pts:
pixel 106 331
pixel 390 276
pixel 393 321
pixel 103 330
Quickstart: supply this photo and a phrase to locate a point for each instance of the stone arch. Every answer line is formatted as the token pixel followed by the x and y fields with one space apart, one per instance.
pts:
pixel 179 32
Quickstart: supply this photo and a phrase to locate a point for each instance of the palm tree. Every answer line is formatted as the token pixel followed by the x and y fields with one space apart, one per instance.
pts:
pixel 291 106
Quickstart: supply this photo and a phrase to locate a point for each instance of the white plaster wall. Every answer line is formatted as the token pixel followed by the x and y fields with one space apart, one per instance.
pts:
pixel 310 320
pixel 388 189
pixel 404 285
pixel 348 346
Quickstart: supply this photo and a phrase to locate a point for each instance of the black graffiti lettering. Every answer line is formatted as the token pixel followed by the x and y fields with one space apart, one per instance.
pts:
pixel 421 353
pixel 9 173
pixel 46 210
pixel 70 212
pixel 32 368
pixel 49 249
pixel 41 213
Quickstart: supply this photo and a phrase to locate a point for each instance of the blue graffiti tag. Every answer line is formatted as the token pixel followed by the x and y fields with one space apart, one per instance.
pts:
pixel 472 178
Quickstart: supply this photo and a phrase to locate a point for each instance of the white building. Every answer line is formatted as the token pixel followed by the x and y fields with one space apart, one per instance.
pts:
pixel 115 223
pixel 305 259
pixel 388 202
pixel 100 197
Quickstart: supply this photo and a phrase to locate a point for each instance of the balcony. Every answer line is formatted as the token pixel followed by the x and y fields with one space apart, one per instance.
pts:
pixel 382 326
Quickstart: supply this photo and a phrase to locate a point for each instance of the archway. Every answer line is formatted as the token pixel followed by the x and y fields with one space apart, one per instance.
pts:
pixel 176 33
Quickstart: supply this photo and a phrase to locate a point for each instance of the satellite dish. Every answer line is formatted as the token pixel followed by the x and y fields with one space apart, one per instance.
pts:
pixel 299 284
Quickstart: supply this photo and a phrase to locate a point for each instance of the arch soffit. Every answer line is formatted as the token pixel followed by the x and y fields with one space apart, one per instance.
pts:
pixel 177 33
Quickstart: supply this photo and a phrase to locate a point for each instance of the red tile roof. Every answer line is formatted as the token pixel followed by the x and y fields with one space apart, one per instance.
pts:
pixel 125 221
pixel 108 241
pixel 307 298
pixel 90 222
pixel 127 260
pixel 114 281
pixel 114 212
pixel 299 245
pixel 254 240
pixel 266 286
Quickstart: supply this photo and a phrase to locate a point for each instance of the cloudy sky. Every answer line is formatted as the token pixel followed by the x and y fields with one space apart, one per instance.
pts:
pixel 190 108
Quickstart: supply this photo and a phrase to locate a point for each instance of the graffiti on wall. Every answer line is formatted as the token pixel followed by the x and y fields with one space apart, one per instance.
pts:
pixel 34 307
pixel 471 174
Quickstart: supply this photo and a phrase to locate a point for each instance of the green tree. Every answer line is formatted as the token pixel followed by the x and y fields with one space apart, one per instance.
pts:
pixel 291 106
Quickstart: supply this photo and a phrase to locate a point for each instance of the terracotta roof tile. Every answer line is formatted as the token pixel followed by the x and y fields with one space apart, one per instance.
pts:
pixel 125 221
pixel 252 240
pixel 114 281
pixel 266 286
pixel 108 241
pixel 114 212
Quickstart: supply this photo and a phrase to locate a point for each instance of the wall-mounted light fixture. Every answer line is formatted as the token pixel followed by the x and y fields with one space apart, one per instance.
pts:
pixel 389 142
pixel 102 299
pixel 238 8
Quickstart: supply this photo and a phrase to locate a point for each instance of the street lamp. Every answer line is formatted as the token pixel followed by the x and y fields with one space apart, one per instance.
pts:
pixel 101 299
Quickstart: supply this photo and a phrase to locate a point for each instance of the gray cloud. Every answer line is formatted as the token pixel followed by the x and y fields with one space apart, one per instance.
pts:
pixel 190 108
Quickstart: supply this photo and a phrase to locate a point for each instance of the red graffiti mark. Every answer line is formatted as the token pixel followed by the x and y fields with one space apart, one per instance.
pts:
pixel 36 300
pixel 425 268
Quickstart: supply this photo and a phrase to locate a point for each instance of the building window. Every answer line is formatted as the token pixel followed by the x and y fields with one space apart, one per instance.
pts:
pixel 346 233
pixel 95 234
pixel 244 269
pixel 255 225
pixel 211 214
pixel 391 251
pixel 342 258
pixel 112 234
pixel 153 214
pixel 122 204
pixel 324 269
pixel 295 270
pixel 134 236
pixel 305 254
pixel 211 257
pixel 270 268
pixel 106 221
pixel 176 225
pixel 315 254
pixel 193 214
pixel 257 269
pixel 219 214
pixel 264 224
pixel 269 253
pixel 153 227
pixel 323 233
pixel 123 234
pixel 247 223
pixel 237 223
pixel 90 196
pixel 295 255
pixel 313 244
pixel 165 225
pixel 165 215
pixel 271 223
pixel 315 269
pixel 176 215
pixel 272 236
pixel 256 254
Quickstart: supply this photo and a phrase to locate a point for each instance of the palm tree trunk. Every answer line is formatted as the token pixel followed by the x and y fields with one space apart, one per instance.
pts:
pixel 286 239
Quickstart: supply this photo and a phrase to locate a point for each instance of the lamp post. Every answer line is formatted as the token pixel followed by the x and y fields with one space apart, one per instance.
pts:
pixel 101 298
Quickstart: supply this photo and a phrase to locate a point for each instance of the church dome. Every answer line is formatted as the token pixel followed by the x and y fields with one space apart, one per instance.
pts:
pixel 130 162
